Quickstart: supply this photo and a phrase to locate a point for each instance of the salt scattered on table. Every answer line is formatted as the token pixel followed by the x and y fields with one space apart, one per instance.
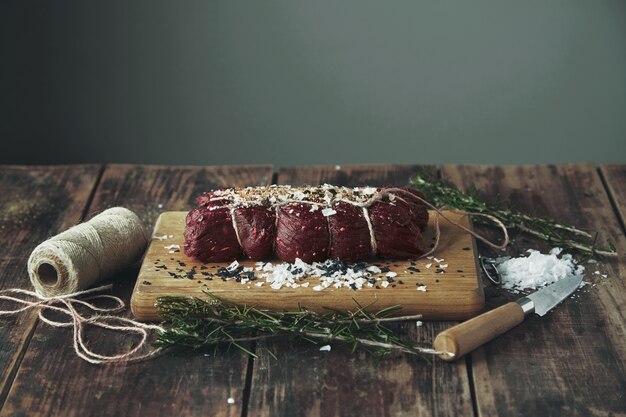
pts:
pixel 536 270
pixel 325 348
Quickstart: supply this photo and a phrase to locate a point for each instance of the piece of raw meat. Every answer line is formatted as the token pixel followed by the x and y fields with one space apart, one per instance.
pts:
pixel 309 223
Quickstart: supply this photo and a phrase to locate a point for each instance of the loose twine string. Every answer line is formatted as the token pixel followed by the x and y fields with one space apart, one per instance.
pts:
pixel 78 321
pixel 110 241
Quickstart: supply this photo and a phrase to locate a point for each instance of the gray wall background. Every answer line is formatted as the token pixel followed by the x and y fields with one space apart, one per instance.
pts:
pixel 313 82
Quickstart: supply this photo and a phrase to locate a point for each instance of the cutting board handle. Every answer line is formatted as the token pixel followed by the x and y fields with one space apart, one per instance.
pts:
pixel 467 336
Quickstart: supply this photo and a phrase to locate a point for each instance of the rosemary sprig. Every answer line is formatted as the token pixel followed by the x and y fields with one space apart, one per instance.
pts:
pixel 197 323
pixel 442 194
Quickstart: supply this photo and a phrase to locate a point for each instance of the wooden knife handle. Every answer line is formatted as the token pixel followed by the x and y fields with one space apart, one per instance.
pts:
pixel 467 336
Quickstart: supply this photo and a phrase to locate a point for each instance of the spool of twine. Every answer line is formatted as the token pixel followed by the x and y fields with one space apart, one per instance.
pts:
pixel 87 253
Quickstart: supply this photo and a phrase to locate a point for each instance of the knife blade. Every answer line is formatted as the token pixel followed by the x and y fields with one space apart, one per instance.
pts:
pixel 463 338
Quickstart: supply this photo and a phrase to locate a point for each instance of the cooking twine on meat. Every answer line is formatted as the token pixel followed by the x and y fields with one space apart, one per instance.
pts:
pixel 378 196
pixel 439 212
pixel 64 266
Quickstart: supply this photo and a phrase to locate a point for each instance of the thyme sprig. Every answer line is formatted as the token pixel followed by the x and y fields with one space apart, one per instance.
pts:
pixel 442 194
pixel 199 323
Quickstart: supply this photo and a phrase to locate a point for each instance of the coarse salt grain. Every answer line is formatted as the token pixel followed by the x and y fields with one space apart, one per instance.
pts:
pixel 325 348
pixel 328 212
pixel 419 323
pixel 422 288
pixel 230 401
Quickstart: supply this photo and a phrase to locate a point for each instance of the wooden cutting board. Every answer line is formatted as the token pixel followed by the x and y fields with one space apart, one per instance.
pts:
pixel 455 294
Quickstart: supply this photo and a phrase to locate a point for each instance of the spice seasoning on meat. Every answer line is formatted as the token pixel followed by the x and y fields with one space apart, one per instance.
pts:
pixel 309 223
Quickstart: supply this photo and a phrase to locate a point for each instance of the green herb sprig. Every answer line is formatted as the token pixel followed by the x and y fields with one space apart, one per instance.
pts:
pixel 199 323
pixel 441 194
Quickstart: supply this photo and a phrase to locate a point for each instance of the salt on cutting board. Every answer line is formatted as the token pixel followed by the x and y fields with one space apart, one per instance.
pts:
pixel 445 287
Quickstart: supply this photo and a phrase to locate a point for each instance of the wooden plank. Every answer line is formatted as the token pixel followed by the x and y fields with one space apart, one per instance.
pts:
pixel 350 175
pixel 35 203
pixel 53 381
pixel 615 179
pixel 307 382
pixel 454 295
pixel 573 361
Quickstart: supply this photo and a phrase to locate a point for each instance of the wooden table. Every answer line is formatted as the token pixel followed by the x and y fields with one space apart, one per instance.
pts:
pixel 571 362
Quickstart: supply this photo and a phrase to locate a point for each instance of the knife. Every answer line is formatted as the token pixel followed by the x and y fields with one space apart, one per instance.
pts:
pixel 469 335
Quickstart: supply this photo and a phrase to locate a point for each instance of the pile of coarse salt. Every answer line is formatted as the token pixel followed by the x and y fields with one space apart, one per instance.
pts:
pixel 536 270
pixel 330 273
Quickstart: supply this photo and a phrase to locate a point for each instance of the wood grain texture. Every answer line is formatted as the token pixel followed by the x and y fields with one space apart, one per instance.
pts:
pixel 307 382
pixel 52 381
pixel 572 362
pixel 350 175
pixel 456 294
pixel 35 203
pixel 615 178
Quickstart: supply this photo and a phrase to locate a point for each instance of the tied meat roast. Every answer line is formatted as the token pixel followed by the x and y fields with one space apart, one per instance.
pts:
pixel 309 223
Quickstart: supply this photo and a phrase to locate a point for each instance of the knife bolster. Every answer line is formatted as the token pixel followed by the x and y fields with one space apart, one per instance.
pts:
pixel 528 306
